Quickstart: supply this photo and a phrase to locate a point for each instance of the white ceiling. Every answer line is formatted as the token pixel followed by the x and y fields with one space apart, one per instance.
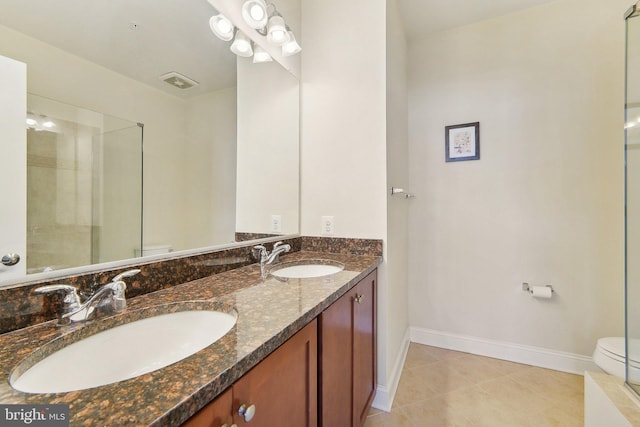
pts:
pixel 174 35
pixel 423 17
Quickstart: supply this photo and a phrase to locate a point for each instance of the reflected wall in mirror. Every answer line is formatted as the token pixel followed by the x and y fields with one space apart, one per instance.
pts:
pixel 220 157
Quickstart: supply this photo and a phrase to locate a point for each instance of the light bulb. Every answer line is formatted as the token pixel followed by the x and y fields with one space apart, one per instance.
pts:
pixel 291 47
pixel 254 13
pixel 260 55
pixel 221 27
pixel 224 27
pixel 241 45
pixel 277 31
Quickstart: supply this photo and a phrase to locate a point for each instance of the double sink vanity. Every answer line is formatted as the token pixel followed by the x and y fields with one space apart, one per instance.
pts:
pixel 292 345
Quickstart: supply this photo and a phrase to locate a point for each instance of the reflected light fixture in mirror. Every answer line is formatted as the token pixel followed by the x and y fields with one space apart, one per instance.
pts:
pixel 39 123
pixel 221 27
pixel 241 45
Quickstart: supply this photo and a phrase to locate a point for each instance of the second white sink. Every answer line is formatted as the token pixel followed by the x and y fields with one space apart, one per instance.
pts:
pixel 306 270
pixel 125 351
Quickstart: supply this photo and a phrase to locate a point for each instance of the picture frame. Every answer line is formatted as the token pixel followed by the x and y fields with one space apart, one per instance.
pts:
pixel 462 142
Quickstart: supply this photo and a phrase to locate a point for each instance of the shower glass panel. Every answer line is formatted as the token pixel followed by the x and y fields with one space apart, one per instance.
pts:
pixel 84 186
pixel 632 199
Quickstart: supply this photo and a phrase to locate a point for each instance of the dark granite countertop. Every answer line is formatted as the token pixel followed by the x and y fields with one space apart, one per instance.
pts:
pixel 269 312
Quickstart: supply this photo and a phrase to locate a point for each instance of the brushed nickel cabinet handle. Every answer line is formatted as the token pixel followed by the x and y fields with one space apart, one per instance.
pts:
pixel 247 412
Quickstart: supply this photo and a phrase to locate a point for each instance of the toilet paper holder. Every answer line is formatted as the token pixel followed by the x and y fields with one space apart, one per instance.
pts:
pixel 527 288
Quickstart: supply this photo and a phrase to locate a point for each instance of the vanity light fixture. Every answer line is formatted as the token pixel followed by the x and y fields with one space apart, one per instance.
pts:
pixel 221 27
pixel 291 47
pixel 241 45
pixel 265 19
pixel 254 13
pixel 260 55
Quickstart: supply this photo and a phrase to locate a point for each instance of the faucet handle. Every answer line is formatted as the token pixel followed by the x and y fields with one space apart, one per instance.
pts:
pixel 119 301
pixel 127 273
pixel 71 299
pixel 259 252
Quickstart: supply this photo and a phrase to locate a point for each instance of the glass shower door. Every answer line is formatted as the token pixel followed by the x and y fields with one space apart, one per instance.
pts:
pixel 632 198
pixel 117 196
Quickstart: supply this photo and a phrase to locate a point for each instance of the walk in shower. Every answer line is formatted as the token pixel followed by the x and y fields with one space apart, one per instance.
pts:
pixel 632 198
pixel 84 186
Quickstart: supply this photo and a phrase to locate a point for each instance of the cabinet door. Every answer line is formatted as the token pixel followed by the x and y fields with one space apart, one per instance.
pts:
pixel 215 414
pixel 364 347
pixel 336 350
pixel 283 387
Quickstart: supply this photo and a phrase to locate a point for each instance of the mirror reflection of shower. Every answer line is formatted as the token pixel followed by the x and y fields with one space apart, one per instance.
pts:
pixel 84 186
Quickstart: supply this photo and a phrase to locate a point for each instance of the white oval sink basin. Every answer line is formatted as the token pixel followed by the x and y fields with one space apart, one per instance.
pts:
pixel 304 271
pixel 126 351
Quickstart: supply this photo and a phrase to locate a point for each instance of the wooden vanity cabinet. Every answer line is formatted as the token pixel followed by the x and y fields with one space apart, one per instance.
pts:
pixel 323 375
pixel 282 388
pixel 347 356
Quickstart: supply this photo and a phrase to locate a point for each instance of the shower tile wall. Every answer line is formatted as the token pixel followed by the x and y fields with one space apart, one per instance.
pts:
pixel 59 198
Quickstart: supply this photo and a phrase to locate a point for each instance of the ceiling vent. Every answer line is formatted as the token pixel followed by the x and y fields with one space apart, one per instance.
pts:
pixel 178 80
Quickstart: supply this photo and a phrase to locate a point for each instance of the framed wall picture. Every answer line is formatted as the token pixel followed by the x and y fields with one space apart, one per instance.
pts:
pixel 462 142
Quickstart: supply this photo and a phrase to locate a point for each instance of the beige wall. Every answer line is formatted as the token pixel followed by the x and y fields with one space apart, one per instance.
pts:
pixel 344 142
pixel 344 117
pixel 544 203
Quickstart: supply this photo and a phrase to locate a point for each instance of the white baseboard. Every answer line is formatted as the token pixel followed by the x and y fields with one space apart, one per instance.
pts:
pixel 385 394
pixel 529 355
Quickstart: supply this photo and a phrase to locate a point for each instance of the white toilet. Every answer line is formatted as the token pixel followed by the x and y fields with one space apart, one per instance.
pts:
pixel 609 356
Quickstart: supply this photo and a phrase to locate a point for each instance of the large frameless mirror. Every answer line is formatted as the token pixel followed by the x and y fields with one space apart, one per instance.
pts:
pixel 220 133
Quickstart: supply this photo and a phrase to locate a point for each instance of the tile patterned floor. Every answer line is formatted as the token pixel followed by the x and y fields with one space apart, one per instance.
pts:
pixel 442 388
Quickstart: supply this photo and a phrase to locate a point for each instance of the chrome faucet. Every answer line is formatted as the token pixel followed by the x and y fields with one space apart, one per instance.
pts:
pixel 109 298
pixel 267 258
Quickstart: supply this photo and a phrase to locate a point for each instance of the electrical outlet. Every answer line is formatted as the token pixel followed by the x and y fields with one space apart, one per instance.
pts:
pixel 276 223
pixel 327 226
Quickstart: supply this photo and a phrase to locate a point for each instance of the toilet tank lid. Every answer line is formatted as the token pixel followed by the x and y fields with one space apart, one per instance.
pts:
pixel 155 247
